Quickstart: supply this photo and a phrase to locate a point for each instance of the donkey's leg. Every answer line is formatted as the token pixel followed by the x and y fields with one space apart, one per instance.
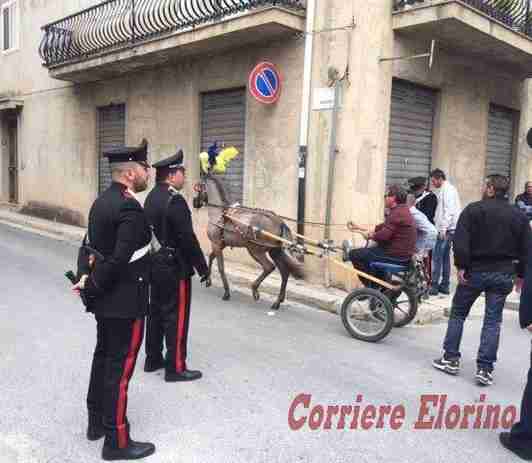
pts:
pixel 259 254
pixel 275 254
pixel 212 256
pixel 221 270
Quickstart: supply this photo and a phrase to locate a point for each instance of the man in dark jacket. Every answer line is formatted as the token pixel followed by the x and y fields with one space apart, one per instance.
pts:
pixel 524 200
pixel 519 439
pixel 170 300
pixel 396 237
pixel 116 288
pixel 490 236
pixel 426 200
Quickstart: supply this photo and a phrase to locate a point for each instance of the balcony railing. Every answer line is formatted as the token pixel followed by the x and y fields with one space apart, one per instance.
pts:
pixel 114 24
pixel 516 14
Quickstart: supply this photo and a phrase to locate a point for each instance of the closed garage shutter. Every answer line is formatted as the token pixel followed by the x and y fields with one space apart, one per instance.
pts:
pixel 223 116
pixel 501 127
pixel 112 132
pixel 411 121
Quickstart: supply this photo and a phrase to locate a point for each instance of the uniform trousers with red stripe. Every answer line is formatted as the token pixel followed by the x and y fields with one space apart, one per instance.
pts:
pixel 169 318
pixel 117 347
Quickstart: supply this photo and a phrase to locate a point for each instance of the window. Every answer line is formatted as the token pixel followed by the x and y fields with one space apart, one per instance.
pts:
pixel 9 26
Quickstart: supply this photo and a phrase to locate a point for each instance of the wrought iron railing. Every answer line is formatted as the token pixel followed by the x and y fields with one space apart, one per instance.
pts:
pixel 516 14
pixel 115 23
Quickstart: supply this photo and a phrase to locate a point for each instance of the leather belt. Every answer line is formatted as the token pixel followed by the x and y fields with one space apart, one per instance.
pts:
pixel 140 253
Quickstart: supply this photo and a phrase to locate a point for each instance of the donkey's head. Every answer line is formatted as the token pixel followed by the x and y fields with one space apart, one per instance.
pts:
pixel 214 161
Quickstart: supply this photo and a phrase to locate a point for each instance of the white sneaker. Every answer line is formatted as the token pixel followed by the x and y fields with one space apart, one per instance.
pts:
pixel 347 246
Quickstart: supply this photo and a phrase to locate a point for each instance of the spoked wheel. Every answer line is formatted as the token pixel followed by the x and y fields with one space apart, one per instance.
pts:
pixel 367 314
pixel 404 305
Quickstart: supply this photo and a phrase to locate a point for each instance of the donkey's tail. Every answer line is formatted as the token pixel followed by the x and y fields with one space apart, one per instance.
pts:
pixel 296 269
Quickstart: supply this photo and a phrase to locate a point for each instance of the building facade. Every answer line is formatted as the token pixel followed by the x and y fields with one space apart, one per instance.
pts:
pixel 78 76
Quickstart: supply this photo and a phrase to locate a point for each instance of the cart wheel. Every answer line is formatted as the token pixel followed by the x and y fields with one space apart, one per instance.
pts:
pixel 404 305
pixel 367 314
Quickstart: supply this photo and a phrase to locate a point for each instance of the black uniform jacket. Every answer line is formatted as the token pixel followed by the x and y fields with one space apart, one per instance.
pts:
pixel 180 233
pixel 490 235
pixel 525 306
pixel 118 227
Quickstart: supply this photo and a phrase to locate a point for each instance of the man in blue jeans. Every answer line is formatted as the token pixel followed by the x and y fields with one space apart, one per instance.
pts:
pixel 446 216
pixel 490 236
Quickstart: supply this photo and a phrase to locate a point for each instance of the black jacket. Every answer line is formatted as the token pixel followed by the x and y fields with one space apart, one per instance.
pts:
pixel 525 306
pixel 524 203
pixel 524 198
pixel 490 235
pixel 179 227
pixel 117 229
pixel 427 204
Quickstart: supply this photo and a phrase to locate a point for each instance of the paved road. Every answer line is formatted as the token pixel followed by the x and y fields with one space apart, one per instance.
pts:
pixel 254 366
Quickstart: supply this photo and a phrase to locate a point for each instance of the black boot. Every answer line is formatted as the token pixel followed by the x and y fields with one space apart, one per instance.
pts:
pixel 132 451
pixel 95 428
pixel 151 364
pixel 522 449
pixel 186 375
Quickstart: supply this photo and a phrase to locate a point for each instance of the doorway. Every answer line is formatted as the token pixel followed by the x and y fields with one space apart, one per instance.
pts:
pixel 12 143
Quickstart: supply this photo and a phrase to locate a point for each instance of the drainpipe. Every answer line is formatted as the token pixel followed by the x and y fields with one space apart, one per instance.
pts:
pixel 305 115
pixel 332 158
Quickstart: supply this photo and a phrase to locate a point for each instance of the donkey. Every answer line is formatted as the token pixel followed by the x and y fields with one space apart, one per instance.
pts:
pixel 224 232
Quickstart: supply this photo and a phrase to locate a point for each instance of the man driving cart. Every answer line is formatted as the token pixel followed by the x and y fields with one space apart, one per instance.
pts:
pixel 395 238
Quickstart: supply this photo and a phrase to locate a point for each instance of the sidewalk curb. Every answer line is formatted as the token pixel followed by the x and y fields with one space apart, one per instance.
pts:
pixel 31 224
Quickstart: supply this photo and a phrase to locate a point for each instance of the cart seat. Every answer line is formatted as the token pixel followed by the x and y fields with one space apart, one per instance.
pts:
pixel 389 268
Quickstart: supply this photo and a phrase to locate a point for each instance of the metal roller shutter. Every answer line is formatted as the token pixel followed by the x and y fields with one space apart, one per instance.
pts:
pixel 111 132
pixel 411 123
pixel 223 119
pixel 501 129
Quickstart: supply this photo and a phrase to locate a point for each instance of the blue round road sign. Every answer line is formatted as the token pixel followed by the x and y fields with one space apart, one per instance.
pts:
pixel 265 83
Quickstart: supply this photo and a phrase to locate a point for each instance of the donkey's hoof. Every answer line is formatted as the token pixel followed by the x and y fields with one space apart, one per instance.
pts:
pixel 226 297
pixel 276 305
pixel 256 294
pixel 208 283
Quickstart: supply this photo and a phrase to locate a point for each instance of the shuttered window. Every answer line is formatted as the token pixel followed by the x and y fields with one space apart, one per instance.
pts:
pixel 223 117
pixel 111 133
pixel 411 125
pixel 501 129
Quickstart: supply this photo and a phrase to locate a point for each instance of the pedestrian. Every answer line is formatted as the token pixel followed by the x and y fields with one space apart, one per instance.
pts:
pixel 490 235
pixel 116 288
pixel 169 316
pixel 426 231
pixel 519 439
pixel 447 212
pixel 426 200
pixel 524 200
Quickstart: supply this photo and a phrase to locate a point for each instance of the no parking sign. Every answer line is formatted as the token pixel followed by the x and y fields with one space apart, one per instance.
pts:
pixel 265 83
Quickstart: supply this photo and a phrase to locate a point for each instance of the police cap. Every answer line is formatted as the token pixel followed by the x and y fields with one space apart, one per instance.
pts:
pixel 173 162
pixel 128 153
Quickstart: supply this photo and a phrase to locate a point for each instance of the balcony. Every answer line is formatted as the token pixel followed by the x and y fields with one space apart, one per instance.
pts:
pixel 116 36
pixel 494 31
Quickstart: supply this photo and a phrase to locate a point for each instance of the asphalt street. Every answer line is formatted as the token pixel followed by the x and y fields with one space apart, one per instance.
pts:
pixel 254 366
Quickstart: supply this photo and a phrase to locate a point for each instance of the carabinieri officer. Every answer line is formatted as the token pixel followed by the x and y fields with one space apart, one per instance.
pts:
pixel 117 290
pixel 170 299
